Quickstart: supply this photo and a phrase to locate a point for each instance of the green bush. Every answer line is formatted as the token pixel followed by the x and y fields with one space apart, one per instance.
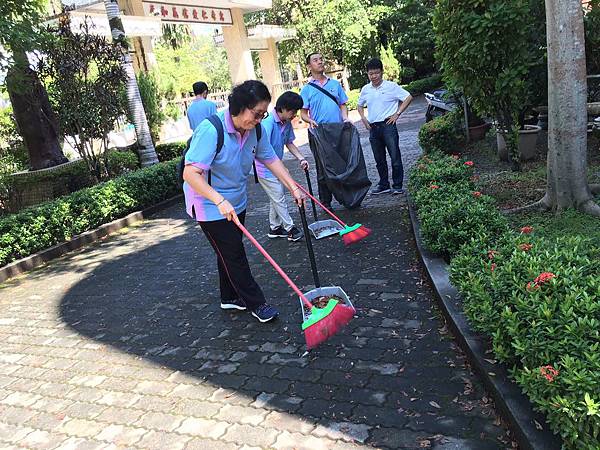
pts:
pixel 40 227
pixel 443 134
pixel 121 162
pixel 151 99
pixel 536 297
pixel 353 99
pixel 167 152
pixel 419 87
pixel 549 323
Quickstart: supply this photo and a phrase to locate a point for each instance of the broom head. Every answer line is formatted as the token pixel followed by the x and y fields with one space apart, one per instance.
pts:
pixel 325 322
pixel 355 233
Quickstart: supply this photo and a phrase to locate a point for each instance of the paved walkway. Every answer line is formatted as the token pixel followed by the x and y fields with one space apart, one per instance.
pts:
pixel 122 345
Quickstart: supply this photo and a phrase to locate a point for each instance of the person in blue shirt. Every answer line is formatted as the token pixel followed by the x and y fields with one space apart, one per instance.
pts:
pixel 322 107
pixel 278 127
pixel 200 108
pixel 216 204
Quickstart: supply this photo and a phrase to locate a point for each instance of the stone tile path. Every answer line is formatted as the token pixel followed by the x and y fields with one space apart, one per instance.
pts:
pixel 122 345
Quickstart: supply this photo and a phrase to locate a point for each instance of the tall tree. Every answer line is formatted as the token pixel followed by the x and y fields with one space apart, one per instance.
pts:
pixel 146 149
pixel 567 184
pixel 35 119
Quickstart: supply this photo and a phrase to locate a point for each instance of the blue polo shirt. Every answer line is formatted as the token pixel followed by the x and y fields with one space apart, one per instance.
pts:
pixel 199 110
pixel 229 168
pixel 322 109
pixel 279 134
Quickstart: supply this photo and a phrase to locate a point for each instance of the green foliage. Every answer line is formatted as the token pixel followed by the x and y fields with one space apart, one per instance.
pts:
pixel 534 292
pixel 428 84
pixel 485 50
pixel 195 60
pixel 40 227
pixel 121 162
pixel 443 134
pixel 151 99
pixel 167 152
pixel 86 83
pixel 352 102
pixel 592 37
pixel 391 66
pixel 19 31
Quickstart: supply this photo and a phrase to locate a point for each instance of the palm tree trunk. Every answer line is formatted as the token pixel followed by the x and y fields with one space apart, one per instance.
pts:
pixel 146 149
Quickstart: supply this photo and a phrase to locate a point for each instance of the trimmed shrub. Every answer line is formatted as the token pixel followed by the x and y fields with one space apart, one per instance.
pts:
pixel 121 162
pixel 429 84
pixel 352 102
pixel 167 152
pixel 443 134
pixel 51 223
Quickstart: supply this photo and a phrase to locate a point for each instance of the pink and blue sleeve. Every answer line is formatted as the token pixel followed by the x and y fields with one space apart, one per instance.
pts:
pixel 203 146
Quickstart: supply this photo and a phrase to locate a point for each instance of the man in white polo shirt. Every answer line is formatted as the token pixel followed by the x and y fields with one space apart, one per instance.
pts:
pixel 385 101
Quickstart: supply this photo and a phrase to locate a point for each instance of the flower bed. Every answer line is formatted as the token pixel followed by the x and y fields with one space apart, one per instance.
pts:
pixel 536 296
pixel 48 224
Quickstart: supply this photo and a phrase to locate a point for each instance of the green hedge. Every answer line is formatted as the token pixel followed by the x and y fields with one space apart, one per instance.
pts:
pixel 429 84
pixel 443 134
pixel 43 226
pixel 352 102
pixel 167 152
pixel 537 298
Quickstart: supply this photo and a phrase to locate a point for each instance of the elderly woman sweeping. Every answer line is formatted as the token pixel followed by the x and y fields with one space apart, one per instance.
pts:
pixel 217 164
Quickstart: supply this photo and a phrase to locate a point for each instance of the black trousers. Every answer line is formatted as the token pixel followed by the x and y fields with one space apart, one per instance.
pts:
pixel 324 193
pixel 235 277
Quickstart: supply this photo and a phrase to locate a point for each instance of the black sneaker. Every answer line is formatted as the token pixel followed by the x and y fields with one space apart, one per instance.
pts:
pixel 379 190
pixel 294 234
pixel 396 191
pixel 265 312
pixel 237 304
pixel 278 232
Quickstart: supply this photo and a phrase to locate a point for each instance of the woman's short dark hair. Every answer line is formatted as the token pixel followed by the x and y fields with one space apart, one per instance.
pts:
pixel 247 95
pixel 199 87
pixel 374 64
pixel 289 101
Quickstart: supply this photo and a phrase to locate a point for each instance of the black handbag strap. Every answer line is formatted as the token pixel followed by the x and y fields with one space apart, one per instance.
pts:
pixel 327 93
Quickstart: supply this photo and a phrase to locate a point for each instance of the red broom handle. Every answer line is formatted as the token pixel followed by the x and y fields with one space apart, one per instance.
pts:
pixel 321 205
pixel 279 270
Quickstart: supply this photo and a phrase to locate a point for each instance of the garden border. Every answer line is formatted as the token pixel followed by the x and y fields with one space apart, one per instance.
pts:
pixel 514 406
pixel 81 240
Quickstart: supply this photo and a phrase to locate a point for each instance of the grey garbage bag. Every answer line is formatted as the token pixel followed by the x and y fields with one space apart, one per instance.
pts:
pixel 341 163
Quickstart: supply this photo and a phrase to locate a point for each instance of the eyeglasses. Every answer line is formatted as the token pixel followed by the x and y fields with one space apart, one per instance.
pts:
pixel 259 115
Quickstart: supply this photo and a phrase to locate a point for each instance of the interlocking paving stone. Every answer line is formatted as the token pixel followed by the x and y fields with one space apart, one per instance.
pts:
pixel 122 344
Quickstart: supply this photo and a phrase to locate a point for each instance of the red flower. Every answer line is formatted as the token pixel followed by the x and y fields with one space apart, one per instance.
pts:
pixel 544 277
pixel 532 286
pixel 492 253
pixel 476 194
pixel 526 230
pixel 525 247
pixel 549 373
pixel 493 266
pixel 434 186
pixel 469 163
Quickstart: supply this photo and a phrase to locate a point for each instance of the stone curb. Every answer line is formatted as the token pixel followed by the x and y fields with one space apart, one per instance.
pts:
pixel 513 405
pixel 37 259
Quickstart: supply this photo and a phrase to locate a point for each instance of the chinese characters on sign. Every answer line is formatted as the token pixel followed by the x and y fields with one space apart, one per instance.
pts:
pixel 187 13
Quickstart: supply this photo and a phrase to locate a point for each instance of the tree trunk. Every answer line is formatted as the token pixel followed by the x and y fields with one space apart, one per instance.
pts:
pixel 36 121
pixel 146 149
pixel 567 185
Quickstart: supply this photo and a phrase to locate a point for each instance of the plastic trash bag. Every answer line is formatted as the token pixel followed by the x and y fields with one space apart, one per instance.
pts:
pixel 341 163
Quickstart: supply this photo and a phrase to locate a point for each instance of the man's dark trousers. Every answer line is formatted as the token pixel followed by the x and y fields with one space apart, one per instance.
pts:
pixel 384 136
pixel 324 193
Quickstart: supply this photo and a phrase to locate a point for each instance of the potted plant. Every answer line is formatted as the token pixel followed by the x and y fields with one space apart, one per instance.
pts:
pixel 477 126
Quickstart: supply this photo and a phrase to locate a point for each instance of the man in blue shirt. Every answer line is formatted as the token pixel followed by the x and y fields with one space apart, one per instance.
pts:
pixel 200 108
pixel 324 102
pixel 278 128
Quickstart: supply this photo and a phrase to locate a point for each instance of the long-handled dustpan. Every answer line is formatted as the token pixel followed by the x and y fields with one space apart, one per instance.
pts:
pixel 330 298
pixel 320 228
pixel 319 324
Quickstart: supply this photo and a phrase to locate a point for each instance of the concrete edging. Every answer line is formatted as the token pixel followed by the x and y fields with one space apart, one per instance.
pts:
pixel 76 242
pixel 512 404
